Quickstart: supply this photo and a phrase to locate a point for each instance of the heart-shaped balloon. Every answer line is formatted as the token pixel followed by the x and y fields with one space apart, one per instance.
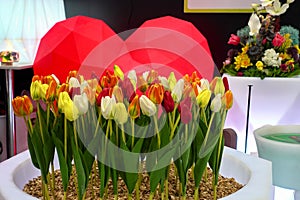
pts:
pixel 90 46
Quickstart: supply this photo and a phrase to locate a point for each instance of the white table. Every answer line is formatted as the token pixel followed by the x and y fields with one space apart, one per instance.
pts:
pixel 10 117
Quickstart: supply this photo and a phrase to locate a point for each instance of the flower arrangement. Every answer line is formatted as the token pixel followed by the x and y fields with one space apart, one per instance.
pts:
pixel 9 56
pixel 264 48
pixel 126 124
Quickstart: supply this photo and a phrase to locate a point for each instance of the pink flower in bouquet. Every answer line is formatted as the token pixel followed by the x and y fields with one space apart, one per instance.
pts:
pixel 234 39
pixel 278 40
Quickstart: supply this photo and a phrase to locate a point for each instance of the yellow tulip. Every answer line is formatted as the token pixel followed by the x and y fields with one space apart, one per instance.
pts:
pixel 66 106
pixel 118 72
pixel 203 98
pixel 134 107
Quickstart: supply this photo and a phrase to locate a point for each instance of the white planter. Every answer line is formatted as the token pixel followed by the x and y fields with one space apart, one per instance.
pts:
pixel 252 171
pixel 273 101
pixel 285 157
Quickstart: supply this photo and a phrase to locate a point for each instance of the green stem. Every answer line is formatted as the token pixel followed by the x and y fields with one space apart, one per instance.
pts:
pixel 157 131
pixel 65 195
pixel 132 133
pixel 75 135
pixel 129 196
pixel 174 127
pixel 123 134
pixel 167 187
pixel 48 115
pixel 53 180
pixel 215 192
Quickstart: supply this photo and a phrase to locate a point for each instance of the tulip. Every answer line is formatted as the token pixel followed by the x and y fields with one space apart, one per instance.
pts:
pixel 73 74
pixel 216 103
pixel 203 98
pixel 152 76
pixel 234 39
pixel 66 106
pixel 227 99
pixel 172 80
pixel 90 93
pixel 132 77
pixel 168 102
pixel 35 88
pixel 120 113
pixel 156 93
pixel 118 72
pixel 185 116
pixel 225 83
pixel 105 92
pixel 217 86
pixel 108 79
pixel 36 78
pixel 62 88
pixel 128 89
pixel 117 92
pixel 22 106
pixel 204 84
pixel 73 83
pixel 107 106
pixel 141 84
pixel 147 106
pixel 51 91
pixel 178 90
pixel 82 103
pixel 134 107
pixel 164 81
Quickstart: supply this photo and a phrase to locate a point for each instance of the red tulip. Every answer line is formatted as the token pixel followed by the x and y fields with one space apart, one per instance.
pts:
pixel 234 39
pixel 168 102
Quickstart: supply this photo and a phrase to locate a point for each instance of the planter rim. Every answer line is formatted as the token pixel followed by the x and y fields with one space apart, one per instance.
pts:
pixel 257 168
pixel 266 78
pixel 271 129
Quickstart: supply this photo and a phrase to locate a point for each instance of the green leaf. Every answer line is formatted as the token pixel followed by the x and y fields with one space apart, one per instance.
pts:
pixel 199 169
pixel 156 177
pixel 63 162
pixel 32 152
pixel 80 172
pixel 215 159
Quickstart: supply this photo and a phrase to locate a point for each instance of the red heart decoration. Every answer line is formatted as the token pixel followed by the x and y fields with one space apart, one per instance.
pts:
pixel 165 44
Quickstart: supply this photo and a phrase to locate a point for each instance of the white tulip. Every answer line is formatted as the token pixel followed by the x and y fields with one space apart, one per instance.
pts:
pixel 216 103
pixel 147 106
pixel 132 76
pixel 164 81
pixel 178 90
pixel 73 83
pixel 120 113
pixel 204 84
pixel 107 106
pixel 82 103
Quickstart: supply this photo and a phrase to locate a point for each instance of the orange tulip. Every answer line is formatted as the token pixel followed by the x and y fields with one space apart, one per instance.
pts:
pixel 227 99
pixel 73 73
pixel 51 91
pixel 36 78
pixel 134 107
pixel 63 88
pixel 22 106
pixel 108 79
pixel 156 93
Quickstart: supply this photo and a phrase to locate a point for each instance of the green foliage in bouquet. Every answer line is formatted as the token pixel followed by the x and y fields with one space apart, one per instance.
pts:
pixel 126 125
pixel 264 48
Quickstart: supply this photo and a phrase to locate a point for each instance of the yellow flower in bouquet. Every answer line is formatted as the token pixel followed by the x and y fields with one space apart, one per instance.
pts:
pixel 264 48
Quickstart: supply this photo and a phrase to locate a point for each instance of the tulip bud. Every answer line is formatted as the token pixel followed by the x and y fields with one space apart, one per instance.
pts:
pixel 225 82
pixel 185 116
pixel 203 98
pixel 156 93
pixel 216 103
pixel 141 84
pixel 128 89
pixel 217 86
pixel 117 92
pixel 63 88
pixel 227 99
pixel 35 88
pixel 172 80
pixel 73 74
pixel 132 77
pixel 107 106
pixel 134 107
pixel 147 106
pixel 105 92
pixel 120 113
pixel 51 91
pixel 168 102
pixel 152 76
pixel 108 79
pixel 66 106
pixel 73 83
pixel 82 103
pixel 118 72
pixel 178 90
pixel 22 106
pixel 164 81
pixel 204 84
pixel 36 78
